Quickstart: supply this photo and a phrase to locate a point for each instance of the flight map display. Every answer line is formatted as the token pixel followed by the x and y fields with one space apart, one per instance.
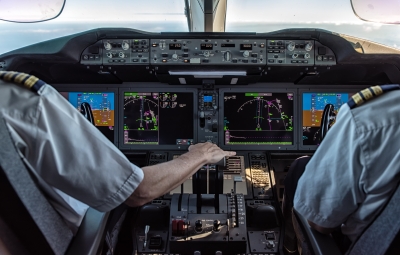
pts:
pixel 158 118
pixel 313 107
pixel 258 118
pixel 102 105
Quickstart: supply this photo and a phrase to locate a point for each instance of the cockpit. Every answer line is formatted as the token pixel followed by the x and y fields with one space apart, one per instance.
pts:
pixel 154 92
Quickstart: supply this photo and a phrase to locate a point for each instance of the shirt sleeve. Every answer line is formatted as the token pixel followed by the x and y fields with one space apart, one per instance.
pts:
pixel 75 157
pixel 328 191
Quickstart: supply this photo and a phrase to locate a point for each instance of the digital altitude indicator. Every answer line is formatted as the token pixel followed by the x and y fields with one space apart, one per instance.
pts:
pixel 246 46
pixel 206 46
pixel 175 46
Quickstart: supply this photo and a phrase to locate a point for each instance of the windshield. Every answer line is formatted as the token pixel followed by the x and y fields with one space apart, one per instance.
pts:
pixel 170 16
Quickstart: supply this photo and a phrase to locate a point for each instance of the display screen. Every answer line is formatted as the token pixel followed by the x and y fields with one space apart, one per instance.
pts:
pixel 228 45
pixel 258 118
pixel 102 105
pixel 206 46
pixel 158 118
pixel 247 46
pixel 312 109
pixel 175 46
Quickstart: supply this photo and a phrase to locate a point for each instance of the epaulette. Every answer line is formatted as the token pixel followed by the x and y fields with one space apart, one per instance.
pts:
pixel 26 80
pixel 369 93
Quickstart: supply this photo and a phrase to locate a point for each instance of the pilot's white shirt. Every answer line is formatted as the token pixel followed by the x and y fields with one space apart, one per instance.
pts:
pixel 355 169
pixel 75 164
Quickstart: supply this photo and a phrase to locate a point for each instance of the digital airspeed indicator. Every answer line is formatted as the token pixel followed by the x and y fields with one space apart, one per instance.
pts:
pixel 206 46
pixel 175 46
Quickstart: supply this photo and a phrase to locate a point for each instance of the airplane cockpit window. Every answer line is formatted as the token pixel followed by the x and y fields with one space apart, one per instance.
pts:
pixel 165 77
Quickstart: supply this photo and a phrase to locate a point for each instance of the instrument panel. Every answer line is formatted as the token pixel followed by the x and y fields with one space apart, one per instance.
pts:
pixel 152 116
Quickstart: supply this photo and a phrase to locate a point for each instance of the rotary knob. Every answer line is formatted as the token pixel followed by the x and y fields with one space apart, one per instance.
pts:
pixel 246 54
pixel 125 45
pixel 216 225
pixel 291 46
pixel 107 46
pixel 270 244
pixel 175 56
pixel 206 53
pixel 121 55
pixel 228 56
pixel 307 55
pixel 198 226
pixel 109 55
pixel 308 46
pixel 295 55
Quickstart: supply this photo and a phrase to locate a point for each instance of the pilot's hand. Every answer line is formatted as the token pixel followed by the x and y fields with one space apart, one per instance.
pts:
pixel 211 152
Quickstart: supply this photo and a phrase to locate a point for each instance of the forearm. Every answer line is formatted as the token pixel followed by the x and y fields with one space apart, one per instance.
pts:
pixel 320 229
pixel 161 178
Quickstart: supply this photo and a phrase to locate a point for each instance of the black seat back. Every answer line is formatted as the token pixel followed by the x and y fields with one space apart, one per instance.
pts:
pixel 24 208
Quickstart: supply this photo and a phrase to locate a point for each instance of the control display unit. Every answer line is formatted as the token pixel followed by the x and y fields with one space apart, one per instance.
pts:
pixel 313 104
pixel 158 117
pixel 258 117
pixel 102 106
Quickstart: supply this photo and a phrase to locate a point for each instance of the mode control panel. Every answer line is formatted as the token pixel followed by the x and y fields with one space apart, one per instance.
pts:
pixel 208 51
pixel 290 52
pixel 130 51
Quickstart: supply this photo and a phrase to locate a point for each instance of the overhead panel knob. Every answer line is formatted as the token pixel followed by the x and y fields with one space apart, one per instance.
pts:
pixel 228 56
pixel 295 55
pixel 206 53
pixel 175 56
pixel 308 46
pixel 107 46
pixel 291 46
pixel 121 55
pixel 109 55
pixel 307 55
pixel 246 54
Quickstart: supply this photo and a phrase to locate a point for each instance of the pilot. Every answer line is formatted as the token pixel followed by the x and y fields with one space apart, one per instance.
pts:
pixel 74 163
pixel 356 168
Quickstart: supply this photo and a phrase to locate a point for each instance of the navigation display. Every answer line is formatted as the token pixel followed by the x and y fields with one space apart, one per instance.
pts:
pixel 158 118
pixel 258 118
pixel 312 109
pixel 102 105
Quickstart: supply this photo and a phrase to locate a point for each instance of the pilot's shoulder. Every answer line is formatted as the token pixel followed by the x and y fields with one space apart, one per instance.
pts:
pixel 28 81
pixel 369 93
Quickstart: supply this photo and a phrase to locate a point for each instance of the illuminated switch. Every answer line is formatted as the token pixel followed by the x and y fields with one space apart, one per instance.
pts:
pixel 181 228
pixel 174 227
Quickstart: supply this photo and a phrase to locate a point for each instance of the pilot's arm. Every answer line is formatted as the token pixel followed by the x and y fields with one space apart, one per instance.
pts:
pixel 162 178
pixel 329 190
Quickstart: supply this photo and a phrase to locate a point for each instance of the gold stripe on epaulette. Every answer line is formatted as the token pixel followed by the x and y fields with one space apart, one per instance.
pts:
pixel 357 99
pixel 367 94
pixel 30 82
pixel 21 77
pixel 9 75
pixel 377 90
